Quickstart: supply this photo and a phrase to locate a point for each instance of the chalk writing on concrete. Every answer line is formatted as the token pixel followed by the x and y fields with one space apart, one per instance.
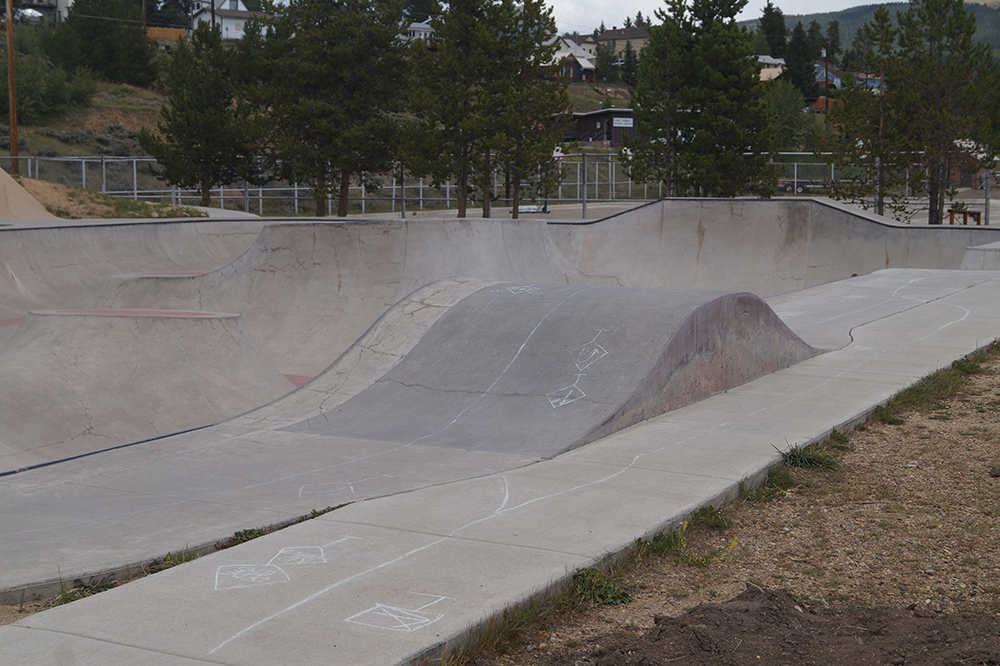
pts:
pixel 394 618
pixel 583 357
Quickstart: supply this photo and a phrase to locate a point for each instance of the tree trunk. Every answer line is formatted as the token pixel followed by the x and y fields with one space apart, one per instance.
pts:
pixel 462 194
pixel 487 209
pixel 516 186
pixel 345 190
pixel 206 193
pixel 319 195
pixel 936 191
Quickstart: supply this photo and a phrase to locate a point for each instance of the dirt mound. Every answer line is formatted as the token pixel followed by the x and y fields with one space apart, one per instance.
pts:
pixel 769 627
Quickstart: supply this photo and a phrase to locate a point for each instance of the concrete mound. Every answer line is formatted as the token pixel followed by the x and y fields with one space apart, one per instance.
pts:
pixel 536 370
pixel 16 205
pixel 307 291
pixel 74 382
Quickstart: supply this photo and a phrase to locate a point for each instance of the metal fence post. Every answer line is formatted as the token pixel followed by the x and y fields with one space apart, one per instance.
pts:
pixel 584 185
pixel 104 175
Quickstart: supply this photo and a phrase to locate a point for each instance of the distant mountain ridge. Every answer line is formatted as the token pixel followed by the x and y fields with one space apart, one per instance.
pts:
pixel 987 21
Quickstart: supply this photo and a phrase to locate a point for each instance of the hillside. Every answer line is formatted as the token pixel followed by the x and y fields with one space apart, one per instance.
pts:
pixel 987 20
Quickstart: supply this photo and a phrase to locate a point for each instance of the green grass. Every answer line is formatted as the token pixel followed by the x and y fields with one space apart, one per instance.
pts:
pixel 596 587
pixel 813 456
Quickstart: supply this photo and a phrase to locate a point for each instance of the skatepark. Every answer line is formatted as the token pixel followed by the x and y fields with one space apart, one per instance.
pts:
pixel 492 405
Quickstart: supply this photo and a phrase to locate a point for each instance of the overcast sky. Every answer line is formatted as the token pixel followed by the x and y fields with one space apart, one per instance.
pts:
pixel 585 15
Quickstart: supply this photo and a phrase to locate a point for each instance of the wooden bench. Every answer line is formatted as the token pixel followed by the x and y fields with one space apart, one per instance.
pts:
pixel 975 214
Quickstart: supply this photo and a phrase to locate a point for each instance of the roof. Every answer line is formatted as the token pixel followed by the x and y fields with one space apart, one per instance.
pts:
pixel 623 34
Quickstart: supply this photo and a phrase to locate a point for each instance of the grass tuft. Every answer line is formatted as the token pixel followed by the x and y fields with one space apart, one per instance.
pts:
pixel 595 586
pixel 808 457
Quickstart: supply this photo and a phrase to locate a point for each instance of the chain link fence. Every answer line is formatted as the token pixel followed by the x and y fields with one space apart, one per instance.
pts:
pixel 593 185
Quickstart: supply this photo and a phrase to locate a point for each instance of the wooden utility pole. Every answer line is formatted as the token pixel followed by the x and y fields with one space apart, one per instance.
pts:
pixel 12 87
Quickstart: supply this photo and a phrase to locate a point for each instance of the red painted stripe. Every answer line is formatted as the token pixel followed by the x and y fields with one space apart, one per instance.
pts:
pixel 11 322
pixel 139 313
pixel 298 380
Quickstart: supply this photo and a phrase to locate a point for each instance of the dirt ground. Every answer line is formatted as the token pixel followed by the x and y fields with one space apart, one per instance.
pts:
pixel 893 558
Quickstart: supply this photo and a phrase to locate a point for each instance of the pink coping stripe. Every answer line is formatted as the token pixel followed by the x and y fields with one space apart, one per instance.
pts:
pixel 139 313
pixel 298 380
pixel 11 322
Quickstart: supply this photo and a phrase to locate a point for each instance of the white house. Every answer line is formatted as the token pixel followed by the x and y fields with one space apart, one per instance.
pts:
pixel 418 30
pixel 230 15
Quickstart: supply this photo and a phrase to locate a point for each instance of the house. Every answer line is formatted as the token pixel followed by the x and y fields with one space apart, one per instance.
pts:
pixel 419 30
pixel 230 15
pixel 52 11
pixel 588 44
pixel 770 68
pixel 607 126
pixel 636 35
pixel 828 76
pixel 575 63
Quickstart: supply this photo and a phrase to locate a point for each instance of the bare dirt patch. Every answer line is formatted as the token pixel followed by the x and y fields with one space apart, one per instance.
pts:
pixel 74 203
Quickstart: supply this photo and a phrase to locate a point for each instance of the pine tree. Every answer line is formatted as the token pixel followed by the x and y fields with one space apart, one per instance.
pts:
pixel 772 26
pixel 868 145
pixel 628 22
pixel 949 88
pixel 640 21
pixel 832 39
pixel 701 105
pixel 457 97
pixel 606 62
pixel 337 75
pixel 630 65
pixel 201 138
pixel 799 68
pixel 107 38
pixel 535 109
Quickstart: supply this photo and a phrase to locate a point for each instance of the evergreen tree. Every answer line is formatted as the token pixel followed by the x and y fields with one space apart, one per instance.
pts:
pixel 628 22
pixel 602 29
pixel 868 145
pixel 606 62
pixel 772 26
pixel 640 21
pixel 457 97
pixel 200 142
pixel 799 68
pixel 107 38
pixel 534 109
pixel 701 105
pixel 948 86
pixel 337 75
pixel 817 42
pixel 933 112
pixel 788 122
pixel 418 11
pixel 630 65
pixel 832 40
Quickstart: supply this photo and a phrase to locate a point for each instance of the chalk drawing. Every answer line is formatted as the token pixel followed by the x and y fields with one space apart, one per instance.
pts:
pixel 324 489
pixel 230 576
pixel 583 357
pixel 394 618
pixel 299 555
pixel 567 394
pixel 521 289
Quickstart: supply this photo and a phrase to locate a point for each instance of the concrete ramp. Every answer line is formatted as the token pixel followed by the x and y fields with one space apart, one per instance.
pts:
pixel 43 267
pixel 765 247
pixel 73 382
pixel 982 258
pixel 536 370
pixel 307 291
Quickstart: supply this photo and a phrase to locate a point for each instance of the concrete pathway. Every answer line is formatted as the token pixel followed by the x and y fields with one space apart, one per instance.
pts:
pixel 397 577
